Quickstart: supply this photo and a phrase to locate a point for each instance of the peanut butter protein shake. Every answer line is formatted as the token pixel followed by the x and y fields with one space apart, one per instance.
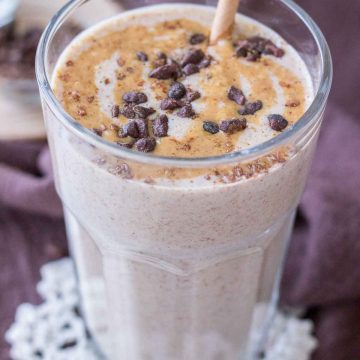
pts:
pixel 173 261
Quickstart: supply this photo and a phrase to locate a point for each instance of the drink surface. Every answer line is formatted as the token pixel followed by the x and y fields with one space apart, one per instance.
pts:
pixel 150 73
pixel 204 255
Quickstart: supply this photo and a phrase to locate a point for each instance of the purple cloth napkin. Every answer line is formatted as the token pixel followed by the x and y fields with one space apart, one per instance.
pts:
pixel 31 226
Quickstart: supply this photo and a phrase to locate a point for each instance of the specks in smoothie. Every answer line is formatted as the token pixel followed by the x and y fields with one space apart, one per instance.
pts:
pixel 235 94
pixel 211 127
pixel 232 126
pixel 292 103
pixel 69 63
pixel 90 99
pixel 81 111
pixel 277 122
pixel 251 108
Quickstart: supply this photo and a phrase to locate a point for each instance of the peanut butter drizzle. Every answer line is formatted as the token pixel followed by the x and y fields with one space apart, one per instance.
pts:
pixel 76 88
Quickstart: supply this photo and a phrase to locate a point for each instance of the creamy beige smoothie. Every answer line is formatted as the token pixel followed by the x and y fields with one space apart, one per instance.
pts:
pixel 173 261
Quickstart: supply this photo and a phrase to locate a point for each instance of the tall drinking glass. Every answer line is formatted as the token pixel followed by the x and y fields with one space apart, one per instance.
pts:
pixel 171 267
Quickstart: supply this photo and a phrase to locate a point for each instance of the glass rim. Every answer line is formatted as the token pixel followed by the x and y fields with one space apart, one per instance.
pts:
pixel 313 112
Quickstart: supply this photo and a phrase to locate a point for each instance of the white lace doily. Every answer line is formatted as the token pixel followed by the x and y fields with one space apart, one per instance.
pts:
pixel 54 330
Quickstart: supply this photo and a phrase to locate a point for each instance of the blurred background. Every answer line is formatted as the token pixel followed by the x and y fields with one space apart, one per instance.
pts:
pixel 323 267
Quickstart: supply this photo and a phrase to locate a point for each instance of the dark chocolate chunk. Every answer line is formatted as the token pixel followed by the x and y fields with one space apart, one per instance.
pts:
pixel 142 125
pixel 272 49
pixel 197 38
pixel 143 112
pixel 211 127
pixel 164 72
pixel 192 57
pixel 236 95
pixel 186 111
pixel 131 129
pixel 277 122
pixel 160 126
pixel 254 47
pixel 170 104
pixel 205 62
pixel 177 91
pixel 190 69
pixel 251 108
pixel 115 111
pixel 134 97
pixel 146 144
pixel 128 111
pixel 142 56
pixel 232 126
pixel 192 96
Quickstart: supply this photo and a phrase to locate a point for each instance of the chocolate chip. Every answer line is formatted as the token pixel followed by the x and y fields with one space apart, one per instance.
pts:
pixel 127 145
pixel 192 57
pixel 277 122
pixel 164 72
pixel 147 144
pixel 232 126
pixel 251 108
pixel 131 129
pixel 142 125
pixel 190 69
pixel 90 99
pixel 192 96
pixel 115 111
pixel 272 49
pixel 69 63
pixel 236 95
pixel 134 97
pixel 186 111
pixel 205 62
pixel 170 104
pixel 160 126
pixel 81 111
pixel 128 111
pixel 211 127
pixel 197 38
pixel 142 56
pixel 254 47
pixel 177 91
pixel 143 112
